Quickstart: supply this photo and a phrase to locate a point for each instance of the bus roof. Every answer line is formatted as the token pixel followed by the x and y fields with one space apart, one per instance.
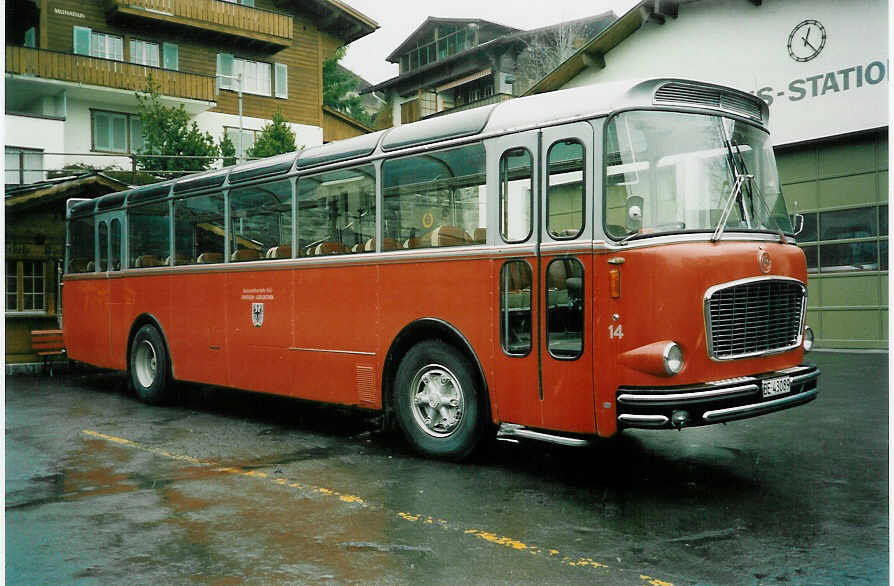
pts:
pixel 518 114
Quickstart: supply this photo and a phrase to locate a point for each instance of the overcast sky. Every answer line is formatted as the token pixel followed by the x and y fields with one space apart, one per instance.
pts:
pixel 398 18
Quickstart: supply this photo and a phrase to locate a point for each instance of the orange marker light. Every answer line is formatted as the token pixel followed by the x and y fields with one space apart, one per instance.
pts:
pixel 614 280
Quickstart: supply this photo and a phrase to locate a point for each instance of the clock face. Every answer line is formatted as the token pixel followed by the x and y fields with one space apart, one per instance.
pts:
pixel 806 40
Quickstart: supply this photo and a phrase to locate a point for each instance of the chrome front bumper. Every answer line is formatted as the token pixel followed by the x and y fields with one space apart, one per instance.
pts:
pixel 713 402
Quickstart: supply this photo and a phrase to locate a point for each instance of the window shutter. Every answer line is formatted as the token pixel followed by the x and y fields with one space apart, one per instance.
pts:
pixel 171 56
pixel 31 38
pixel 82 40
pixel 224 67
pixel 282 80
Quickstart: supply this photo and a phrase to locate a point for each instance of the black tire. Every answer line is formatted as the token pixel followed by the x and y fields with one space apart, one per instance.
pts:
pixel 149 372
pixel 437 401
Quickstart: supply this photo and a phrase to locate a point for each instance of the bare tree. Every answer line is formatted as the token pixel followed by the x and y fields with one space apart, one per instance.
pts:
pixel 546 49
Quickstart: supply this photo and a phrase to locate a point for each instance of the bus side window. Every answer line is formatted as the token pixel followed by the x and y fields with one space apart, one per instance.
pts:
pixel 115 244
pixel 436 199
pixel 199 228
pixel 148 235
pixel 516 195
pixel 261 218
pixel 80 254
pixel 337 212
pixel 565 189
pixel 515 308
pixel 103 246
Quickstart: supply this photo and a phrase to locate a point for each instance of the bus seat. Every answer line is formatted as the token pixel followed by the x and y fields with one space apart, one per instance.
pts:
pixel 148 260
pixel 244 254
pixel 330 247
pixel 387 244
pixel 281 251
pixel 480 235
pixel 449 236
pixel 357 248
pixel 79 265
pixel 179 260
pixel 415 242
pixel 91 267
pixel 556 275
pixel 210 258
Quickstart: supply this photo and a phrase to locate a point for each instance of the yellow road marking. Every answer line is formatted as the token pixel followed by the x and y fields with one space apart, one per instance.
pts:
pixel 358 501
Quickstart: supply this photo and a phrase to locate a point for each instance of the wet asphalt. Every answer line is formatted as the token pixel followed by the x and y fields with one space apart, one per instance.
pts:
pixel 228 487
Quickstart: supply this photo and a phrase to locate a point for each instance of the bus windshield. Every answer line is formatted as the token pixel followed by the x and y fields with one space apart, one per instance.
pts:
pixel 670 172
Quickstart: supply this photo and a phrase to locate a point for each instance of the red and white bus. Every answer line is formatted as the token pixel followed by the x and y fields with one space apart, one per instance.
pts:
pixel 557 267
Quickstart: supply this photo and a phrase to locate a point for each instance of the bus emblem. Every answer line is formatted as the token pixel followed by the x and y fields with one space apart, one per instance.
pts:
pixel 257 314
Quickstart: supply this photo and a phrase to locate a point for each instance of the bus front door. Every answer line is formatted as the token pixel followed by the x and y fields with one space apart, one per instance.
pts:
pixel 543 370
pixel 565 261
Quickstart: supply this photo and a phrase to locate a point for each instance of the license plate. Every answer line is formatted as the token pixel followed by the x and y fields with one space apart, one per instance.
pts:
pixel 776 386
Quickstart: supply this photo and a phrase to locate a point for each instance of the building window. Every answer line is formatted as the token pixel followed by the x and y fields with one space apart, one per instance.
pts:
pixel 90 42
pixel 256 75
pixel 25 286
pixel 171 56
pixel 248 139
pixel 23 166
pixel 116 132
pixel 144 53
pixel 852 239
pixel 282 80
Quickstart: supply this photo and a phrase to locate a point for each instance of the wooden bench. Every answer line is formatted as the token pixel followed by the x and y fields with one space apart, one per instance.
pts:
pixel 47 343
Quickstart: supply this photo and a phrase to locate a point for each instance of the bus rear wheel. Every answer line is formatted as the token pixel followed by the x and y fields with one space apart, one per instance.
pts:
pixel 149 366
pixel 437 401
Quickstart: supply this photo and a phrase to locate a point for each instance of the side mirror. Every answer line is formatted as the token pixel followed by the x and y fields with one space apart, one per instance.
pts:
pixel 634 213
pixel 797 223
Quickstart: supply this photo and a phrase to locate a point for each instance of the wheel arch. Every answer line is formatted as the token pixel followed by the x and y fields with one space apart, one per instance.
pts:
pixel 149 319
pixel 428 328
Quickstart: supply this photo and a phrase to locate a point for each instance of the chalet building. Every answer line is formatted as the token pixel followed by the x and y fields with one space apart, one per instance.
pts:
pixel 452 64
pixel 72 69
pixel 35 248
pixel 822 67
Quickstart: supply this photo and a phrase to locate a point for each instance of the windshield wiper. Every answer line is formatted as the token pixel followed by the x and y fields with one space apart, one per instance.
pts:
pixel 728 207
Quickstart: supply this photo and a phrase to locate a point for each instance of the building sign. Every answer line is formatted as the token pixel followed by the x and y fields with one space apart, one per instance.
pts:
pixel 821 66
pixel 71 13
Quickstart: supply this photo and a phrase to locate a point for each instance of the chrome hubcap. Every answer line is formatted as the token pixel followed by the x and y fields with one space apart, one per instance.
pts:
pixel 436 400
pixel 145 363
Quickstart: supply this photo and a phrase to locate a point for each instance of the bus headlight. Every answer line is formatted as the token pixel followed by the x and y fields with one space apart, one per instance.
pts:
pixel 673 358
pixel 808 339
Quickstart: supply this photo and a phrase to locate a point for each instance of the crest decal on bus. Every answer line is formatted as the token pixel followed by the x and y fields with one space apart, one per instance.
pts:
pixel 257 314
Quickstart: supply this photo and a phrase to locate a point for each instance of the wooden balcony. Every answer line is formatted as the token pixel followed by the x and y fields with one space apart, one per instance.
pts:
pixel 107 73
pixel 258 26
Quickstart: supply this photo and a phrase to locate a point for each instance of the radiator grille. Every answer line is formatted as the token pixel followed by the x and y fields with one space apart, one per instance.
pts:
pixel 753 318
pixel 710 97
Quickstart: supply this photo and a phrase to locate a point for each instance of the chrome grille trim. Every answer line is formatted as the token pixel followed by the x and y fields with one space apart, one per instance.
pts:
pixel 754 317
pixel 707 96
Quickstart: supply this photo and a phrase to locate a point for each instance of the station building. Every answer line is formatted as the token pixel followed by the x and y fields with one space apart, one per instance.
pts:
pixel 822 67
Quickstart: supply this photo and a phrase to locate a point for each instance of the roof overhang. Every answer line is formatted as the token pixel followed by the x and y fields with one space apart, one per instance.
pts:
pixel 336 18
pixel 25 197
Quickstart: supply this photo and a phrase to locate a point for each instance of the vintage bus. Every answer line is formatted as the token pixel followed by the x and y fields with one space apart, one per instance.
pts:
pixel 556 267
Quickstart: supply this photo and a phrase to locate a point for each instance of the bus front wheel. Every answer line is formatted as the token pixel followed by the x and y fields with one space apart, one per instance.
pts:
pixel 149 366
pixel 436 400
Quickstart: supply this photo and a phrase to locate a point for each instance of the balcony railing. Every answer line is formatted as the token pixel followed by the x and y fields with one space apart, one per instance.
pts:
pixel 228 18
pixel 494 99
pixel 107 73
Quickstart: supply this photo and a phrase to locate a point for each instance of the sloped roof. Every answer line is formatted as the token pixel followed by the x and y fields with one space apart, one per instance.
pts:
pixel 90 184
pixel 340 19
pixel 432 21
pixel 512 36
pixel 594 51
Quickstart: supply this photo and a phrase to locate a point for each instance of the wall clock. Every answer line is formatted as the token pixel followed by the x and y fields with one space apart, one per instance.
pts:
pixel 806 40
